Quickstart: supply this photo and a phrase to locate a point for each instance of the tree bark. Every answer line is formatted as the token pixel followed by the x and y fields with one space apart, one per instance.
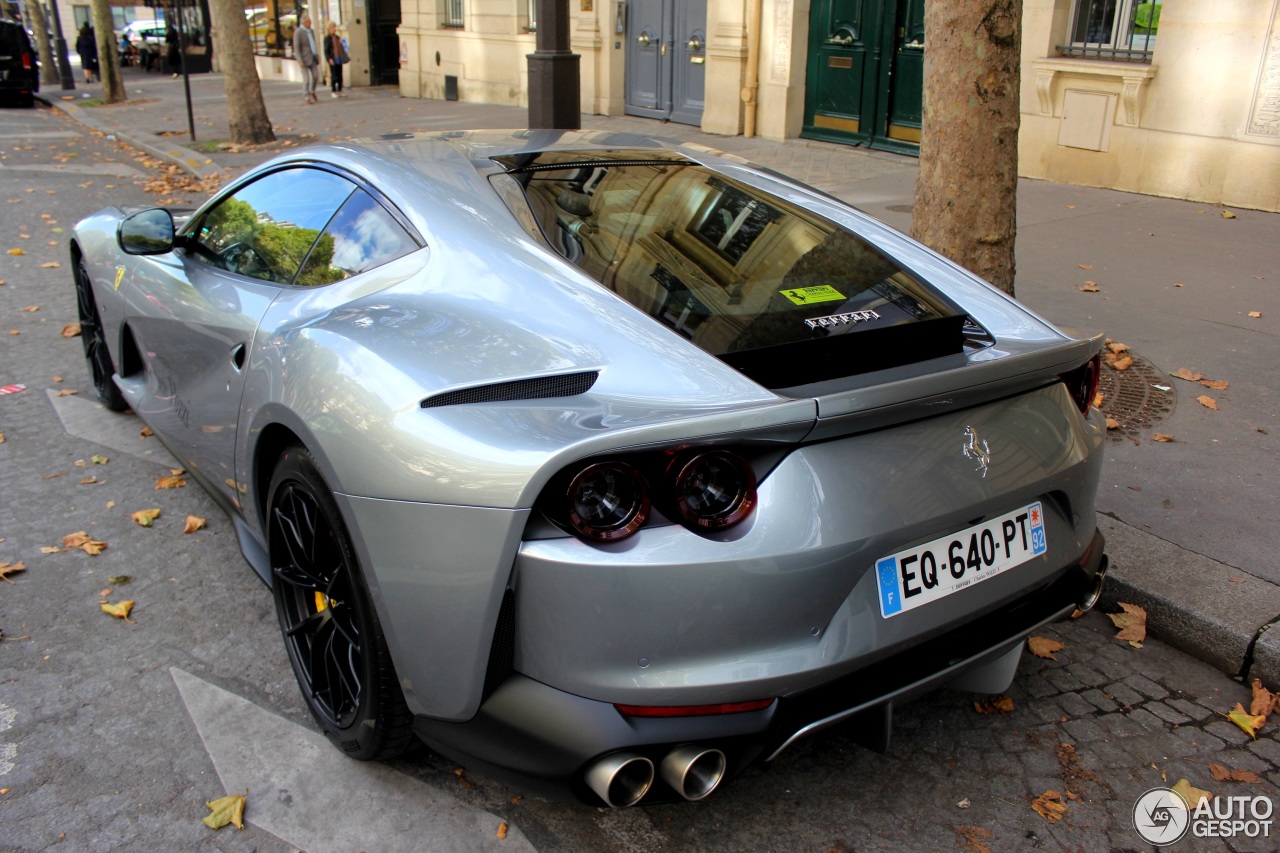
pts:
pixel 113 91
pixel 44 46
pixel 247 111
pixel 966 192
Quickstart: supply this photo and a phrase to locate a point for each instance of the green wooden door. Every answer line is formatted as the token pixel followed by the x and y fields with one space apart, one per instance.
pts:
pixel 839 90
pixel 906 82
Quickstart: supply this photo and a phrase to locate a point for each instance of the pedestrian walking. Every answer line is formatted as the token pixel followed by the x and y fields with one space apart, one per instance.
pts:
pixel 304 50
pixel 87 47
pixel 174 43
pixel 336 54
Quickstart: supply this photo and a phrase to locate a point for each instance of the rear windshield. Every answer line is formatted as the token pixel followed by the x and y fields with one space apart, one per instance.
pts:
pixel 745 275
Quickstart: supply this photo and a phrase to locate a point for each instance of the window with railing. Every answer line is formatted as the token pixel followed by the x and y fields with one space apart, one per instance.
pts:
pixel 1121 30
pixel 453 15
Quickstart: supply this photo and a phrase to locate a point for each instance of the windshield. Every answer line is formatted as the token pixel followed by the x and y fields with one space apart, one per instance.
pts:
pixel 743 274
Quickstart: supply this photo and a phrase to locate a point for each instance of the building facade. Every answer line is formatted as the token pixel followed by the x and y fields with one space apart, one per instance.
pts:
pixel 1181 102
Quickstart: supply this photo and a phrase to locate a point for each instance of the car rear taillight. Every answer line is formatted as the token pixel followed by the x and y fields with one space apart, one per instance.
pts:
pixel 713 490
pixel 694 710
pixel 607 501
pixel 1083 383
pixel 26 62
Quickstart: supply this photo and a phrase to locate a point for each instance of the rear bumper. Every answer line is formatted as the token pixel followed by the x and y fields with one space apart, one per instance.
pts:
pixel 543 739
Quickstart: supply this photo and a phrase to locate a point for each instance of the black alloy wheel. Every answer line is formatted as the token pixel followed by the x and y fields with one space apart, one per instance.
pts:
pixel 94 338
pixel 331 631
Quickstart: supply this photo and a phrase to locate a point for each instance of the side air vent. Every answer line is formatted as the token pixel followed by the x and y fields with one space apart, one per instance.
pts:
pixel 564 385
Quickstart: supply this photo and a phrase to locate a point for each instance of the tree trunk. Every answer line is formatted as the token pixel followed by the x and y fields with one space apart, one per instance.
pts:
pixel 966 192
pixel 247 111
pixel 108 54
pixel 44 48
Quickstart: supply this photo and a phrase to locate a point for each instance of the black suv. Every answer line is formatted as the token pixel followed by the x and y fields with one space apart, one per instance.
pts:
pixel 19 70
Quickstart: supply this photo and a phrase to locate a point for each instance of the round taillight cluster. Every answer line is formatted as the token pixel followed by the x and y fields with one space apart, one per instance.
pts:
pixel 705 491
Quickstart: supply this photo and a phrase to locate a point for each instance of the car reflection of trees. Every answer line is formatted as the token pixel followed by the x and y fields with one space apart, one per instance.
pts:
pixel 283 246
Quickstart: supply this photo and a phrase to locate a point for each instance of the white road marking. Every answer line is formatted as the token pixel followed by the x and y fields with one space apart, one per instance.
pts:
pixel 8 751
pixel 88 419
pixel 306 793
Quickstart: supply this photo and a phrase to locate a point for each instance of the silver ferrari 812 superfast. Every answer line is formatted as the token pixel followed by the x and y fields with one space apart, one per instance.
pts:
pixel 601 463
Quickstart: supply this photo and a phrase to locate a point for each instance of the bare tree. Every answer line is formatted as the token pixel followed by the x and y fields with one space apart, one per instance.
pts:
pixel 108 57
pixel 966 192
pixel 40 26
pixel 247 112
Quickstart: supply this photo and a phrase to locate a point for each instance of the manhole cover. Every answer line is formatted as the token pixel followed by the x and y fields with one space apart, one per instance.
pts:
pixel 1139 398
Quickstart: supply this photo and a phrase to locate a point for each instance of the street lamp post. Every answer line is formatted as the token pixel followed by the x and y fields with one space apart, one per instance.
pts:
pixel 60 48
pixel 553 72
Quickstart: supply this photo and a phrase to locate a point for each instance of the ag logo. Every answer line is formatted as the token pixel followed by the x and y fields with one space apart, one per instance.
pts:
pixel 1161 817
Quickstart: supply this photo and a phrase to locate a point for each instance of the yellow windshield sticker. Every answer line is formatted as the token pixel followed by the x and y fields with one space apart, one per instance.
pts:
pixel 119 276
pixel 811 295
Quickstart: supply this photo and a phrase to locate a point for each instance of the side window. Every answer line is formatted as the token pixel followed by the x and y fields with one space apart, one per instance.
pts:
pixel 362 236
pixel 265 229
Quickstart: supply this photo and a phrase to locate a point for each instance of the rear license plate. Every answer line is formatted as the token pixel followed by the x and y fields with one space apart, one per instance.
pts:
pixel 936 569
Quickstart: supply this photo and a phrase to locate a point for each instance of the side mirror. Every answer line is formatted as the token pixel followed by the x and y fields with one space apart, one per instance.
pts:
pixel 147 232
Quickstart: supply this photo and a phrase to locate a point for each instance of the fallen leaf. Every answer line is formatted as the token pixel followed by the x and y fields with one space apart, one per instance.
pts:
pixel 1215 384
pixel 51 265
pixel 994 705
pixel 31 309
pixel 1189 375
pixel 1248 723
pixel 145 517
pixel 1132 623
pixel 7 569
pixel 145 432
pixel 1073 796
pixel 88 481
pixel 99 459
pixel 1123 363
pixel 119 580
pixel 963 804
pixel 1049 806
pixel 972 836
pixel 1226 214
pixel 177 472
pixel 66 392
pixel 1085 266
pixel 120 611
pixel 174 482
pixel 466 783
pixel 1255 314
pixel 1179 285
pixel 194 523
pixel 1208 402
pixel 1043 647
pixel 16 252
pixel 1090 287
pixel 1190 794
pixel 1161 437
pixel 502 830
pixel 1222 773
pixel 50 549
pixel 71 330
pixel 1263 699
pixel 225 810
pixel 1117 347
pixel 1112 423
pixel 1233 579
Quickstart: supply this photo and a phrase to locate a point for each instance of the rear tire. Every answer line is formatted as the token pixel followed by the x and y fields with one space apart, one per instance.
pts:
pixel 94 337
pixel 331 630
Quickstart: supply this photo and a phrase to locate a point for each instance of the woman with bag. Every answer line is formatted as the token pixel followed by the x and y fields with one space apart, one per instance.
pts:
pixel 336 54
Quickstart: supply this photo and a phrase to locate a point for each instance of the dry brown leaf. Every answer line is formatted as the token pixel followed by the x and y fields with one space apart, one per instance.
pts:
pixel 1123 363
pixel 1049 806
pixel 1085 266
pixel 120 611
pixel 1216 384
pixel 1179 285
pixel 994 705
pixel 7 569
pixel 51 265
pixel 1249 723
pixel 1097 400
pixel 502 830
pixel 1043 647
pixel 145 517
pixel 1222 773
pixel 50 549
pixel 31 309
pixel 1190 794
pixel 174 482
pixel 1090 287
pixel 1255 314
pixel 71 330
pixel 1132 623
pixel 226 810
pixel 194 523
pixel 1117 347
pixel 1112 423
pixel 16 252
pixel 972 836
pixel 462 779
pixel 66 392
pixel 1189 375
pixel 1162 437
pixel 177 472
pixel 1208 402
pixel 1263 699
pixel 145 432
pixel 1226 214
pixel 88 481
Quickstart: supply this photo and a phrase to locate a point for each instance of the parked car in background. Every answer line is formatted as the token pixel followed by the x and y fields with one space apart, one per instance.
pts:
pixel 19 67
pixel 144 32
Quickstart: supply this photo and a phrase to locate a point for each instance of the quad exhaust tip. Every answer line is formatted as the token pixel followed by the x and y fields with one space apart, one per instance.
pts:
pixel 694 771
pixel 621 779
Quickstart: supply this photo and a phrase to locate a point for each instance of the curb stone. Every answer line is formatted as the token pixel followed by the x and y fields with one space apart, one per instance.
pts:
pixel 1208 609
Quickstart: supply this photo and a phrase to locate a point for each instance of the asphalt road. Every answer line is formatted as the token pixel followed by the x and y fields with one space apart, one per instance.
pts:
pixel 113 734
